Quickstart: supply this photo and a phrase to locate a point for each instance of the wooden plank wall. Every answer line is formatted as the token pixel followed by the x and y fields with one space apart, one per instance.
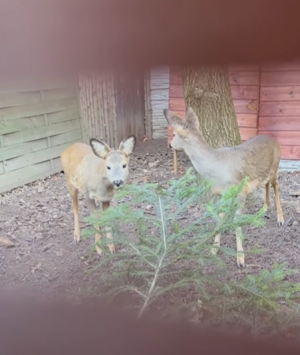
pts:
pixel 244 82
pixel 279 114
pixel 266 101
pixel 35 126
pixel 130 104
pixel 112 106
pixel 98 107
pixel 159 96
pixel 148 109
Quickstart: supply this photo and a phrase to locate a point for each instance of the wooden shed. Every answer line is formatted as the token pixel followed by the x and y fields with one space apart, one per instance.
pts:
pixel 39 120
pixel 266 100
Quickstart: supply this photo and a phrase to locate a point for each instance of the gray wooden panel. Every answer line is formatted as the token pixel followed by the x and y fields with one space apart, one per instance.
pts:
pixel 39 132
pixel 34 158
pixel 28 175
pixel 10 86
pixel 21 175
pixel 30 147
pixel 19 98
pixel 23 148
pixel 289 165
pixel 159 93
pixel 12 113
pixel 59 94
pixel 37 122
pixel 21 124
pixel 57 163
pixel 67 137
pixel 63 116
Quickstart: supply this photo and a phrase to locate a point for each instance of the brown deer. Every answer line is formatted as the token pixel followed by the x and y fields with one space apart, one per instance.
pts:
pixel 96 171
pixel 257 158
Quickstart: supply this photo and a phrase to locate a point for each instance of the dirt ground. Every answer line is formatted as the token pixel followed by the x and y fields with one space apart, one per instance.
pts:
pixel 37 219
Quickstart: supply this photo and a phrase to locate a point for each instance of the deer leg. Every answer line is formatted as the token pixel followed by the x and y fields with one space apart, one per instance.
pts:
pixel 92 207
pixel 240 256
pixel 111 246
pixel 175 159
pixel 217 241
pixel 74 195
pixel 267 196
pixel 280 219
pixel 216 245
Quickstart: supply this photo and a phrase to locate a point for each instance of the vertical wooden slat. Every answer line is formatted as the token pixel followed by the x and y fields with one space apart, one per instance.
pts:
pixel 109 112
pixel 159 92
pixel 114 109
pixel 93 104
pixel 99 108
pixel 105 113
pixel 85 138
pixel 148 111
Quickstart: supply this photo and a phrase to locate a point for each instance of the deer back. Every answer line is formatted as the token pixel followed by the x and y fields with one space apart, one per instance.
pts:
pixel 258 159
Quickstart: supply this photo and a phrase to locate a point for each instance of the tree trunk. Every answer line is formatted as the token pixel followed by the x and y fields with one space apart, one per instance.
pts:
pixel 207 91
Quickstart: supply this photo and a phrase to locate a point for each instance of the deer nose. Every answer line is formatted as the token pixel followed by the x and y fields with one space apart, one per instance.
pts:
pixel 118 183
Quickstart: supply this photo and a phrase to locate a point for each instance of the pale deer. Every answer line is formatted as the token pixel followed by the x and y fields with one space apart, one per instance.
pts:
pixel 96 171
pixel 257 158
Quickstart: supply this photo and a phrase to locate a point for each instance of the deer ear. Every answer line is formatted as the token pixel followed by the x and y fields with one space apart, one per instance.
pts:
pixel 100 149
pixel 191 117
pixel 128 144
pixel 174 120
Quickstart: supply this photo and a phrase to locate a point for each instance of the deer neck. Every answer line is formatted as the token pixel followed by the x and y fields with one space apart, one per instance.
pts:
pixel 203 157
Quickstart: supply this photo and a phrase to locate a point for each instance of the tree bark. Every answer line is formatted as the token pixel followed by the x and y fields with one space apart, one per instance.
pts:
pixel 207 90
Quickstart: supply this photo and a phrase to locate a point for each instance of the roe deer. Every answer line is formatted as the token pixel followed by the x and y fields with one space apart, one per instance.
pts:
pixel 258 159
pixel 95 171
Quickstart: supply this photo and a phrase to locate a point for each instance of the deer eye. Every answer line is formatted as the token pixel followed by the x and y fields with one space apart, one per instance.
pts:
pixel 124 166
pixel 108 167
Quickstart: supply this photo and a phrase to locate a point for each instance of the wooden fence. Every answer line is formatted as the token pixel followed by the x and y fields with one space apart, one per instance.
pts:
pixel 112 106
pixel 36 124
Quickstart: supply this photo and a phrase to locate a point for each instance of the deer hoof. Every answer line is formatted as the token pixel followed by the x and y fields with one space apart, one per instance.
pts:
pixel 214 250
pixel 280 221
pixel 76 238
pixel 241 261
pixel 112 248
pixel 98 250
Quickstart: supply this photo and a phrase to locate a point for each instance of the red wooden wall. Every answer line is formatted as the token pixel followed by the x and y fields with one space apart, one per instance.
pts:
pixel 266 101
pixel 279 114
